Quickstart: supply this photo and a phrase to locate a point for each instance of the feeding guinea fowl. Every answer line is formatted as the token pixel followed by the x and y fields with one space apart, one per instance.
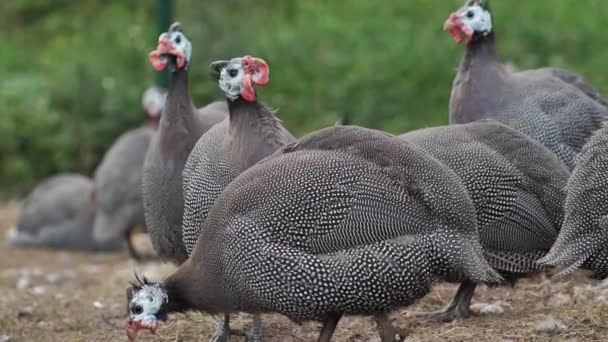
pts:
pixel 250 133
pixel 180 127
pixel 516 185
pixel 58 213
pixel 554 106
pixel 117 179
pixel 583 239
pixel 345 221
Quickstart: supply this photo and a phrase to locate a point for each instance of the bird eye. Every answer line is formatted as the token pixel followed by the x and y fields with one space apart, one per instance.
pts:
pixel 233 72
pixel 150 299
pixel 137 309
pixel 178 39
pixel 470 14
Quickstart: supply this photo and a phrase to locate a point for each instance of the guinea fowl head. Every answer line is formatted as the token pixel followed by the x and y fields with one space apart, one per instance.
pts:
pixel 147 304
pixel 173 49
pixel 470 22
pixel 153 102
pixel 237 76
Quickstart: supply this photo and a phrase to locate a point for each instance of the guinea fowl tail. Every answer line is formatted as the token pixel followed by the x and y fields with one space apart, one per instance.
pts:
pixel 566 262
pixel 477 267
pixel 566 259
pixel 575 245
pixel 463 255
pixel 18 238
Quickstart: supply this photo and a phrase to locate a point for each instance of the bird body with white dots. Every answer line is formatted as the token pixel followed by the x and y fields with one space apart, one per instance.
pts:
pixel 516 185
pixel 583 239
pixel 345 221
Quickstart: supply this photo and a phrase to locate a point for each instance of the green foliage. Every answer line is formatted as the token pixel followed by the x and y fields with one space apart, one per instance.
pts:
pixel 73 71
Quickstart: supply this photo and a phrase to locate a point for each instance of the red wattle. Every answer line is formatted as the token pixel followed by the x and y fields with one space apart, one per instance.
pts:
pixel 248 93
pixel 457 29
pixel 158 62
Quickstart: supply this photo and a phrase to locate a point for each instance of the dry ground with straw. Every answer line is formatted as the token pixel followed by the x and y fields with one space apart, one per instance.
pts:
pixel 64 296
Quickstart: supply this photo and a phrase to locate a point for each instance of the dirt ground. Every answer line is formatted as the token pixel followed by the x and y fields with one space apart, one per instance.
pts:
pixel 64 296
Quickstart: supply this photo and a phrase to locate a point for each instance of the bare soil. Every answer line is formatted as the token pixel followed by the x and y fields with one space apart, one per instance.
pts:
pixel 49 295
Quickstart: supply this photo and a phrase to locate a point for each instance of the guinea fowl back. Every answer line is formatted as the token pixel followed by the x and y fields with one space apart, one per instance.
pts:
pixel 362 181
pixel 583 238
pixel 59 213
pixel 515 183
pixel 553 106
pixel 55 200
pixel 118 185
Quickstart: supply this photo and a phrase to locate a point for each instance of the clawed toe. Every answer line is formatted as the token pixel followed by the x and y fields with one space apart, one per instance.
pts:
pixel 445 315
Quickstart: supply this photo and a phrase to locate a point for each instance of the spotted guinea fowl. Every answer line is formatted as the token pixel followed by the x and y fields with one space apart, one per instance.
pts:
pixel 117 194
pixel 250 133
pixel 180 127
pixel 117 179
pixel 556 107
pixel 584 235
pixel 516 186
pixel 58 214
pixel 345 221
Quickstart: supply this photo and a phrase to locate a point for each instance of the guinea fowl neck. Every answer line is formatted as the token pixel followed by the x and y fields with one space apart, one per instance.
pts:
pixel 254 132
pixel 246 117
pixel 191 288
pixel 152 123
pixel 480 77
pixel 240 109
pixel 480 52
pixel 179 109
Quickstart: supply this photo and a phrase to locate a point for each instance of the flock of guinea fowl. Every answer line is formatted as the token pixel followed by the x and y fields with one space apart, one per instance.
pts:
pixel 353 221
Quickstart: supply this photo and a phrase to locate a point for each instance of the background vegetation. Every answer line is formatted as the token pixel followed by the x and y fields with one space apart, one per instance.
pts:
pixel 72 72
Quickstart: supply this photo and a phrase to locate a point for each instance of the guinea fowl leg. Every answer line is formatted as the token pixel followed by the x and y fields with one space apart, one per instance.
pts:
pixel 131 247
pixel 388 332
pixel 458 307
pixel 222 334
pixel 328 328
pixel 255 335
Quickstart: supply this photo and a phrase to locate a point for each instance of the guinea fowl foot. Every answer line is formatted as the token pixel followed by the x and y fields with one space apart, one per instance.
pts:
pixel 255 335
pixel 446 314
pixel 223 332
pixel 457 309
pixel 388 332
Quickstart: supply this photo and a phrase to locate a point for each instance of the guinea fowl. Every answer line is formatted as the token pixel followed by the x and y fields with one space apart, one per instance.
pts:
pixel 516 186
pixel 58 214
pixel 250 133
pixel 345 221
pixel 584 235
pixel 117 194
pixel 556 107
pixel 180 127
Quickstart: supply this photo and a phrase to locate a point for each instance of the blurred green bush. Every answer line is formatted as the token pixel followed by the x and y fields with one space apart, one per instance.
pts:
pixel 72 72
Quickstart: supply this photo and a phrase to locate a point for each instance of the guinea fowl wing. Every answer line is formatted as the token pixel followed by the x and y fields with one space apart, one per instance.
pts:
pixel 577 81
pixel 386 189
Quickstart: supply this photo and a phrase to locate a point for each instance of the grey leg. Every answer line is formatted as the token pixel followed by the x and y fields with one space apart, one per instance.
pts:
pixel 388 332
pixel 458 307
pixel 329 326
pixel 255 335
pixel 131 247
pixel 222 334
